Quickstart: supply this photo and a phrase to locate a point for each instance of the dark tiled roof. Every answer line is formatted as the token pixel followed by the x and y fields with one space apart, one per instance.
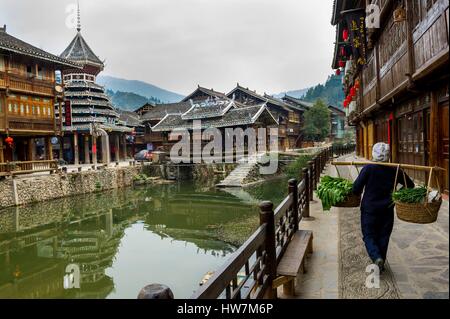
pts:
pixel 303 105
pixel 208 108
pixel 234 117
pixel 208 92
pixel 129 118
pixel 159 111
pixel 12 44
pixel 336 110
pixel 80 52
pixel 336 14
pixel 263 99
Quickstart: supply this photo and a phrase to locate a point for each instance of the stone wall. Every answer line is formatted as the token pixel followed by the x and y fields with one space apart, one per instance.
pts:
pixel 19 191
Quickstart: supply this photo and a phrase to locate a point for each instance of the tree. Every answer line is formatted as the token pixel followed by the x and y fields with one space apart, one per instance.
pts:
pixel 317 122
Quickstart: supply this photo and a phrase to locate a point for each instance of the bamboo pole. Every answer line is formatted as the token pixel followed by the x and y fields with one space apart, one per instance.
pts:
pixel 406 166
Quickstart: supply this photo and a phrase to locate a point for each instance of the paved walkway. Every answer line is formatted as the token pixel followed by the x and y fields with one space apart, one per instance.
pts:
pixel 418 257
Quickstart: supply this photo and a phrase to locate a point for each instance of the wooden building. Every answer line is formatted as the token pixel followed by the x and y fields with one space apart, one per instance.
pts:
pixel 90 124
pixel 27 96
pixel 220 114
pixel 396 77
pixel 287 116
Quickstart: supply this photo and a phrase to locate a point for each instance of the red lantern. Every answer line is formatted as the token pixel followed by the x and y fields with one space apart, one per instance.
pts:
pixel 338 71
pixel 341 64
pixel 345 34
pixel 9 140
pixel 343 51
pixel 345 103
pixel 352 91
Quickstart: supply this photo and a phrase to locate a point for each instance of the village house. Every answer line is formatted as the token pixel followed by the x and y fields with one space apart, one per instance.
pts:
pixel 221 114
pixel 88 119
pixel 28 91
pixel 396 78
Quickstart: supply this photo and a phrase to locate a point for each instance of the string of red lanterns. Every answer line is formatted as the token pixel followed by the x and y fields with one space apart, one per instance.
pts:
pixel 9 140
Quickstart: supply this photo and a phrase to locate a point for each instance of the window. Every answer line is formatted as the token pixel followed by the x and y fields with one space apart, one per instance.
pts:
pixel 40 73
pixel 29 70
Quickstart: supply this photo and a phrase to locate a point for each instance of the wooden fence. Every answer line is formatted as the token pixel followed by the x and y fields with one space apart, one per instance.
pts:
pixel 251 270
pixel 17 168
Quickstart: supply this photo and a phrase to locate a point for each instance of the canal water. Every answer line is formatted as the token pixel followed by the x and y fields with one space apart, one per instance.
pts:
pixel 122 240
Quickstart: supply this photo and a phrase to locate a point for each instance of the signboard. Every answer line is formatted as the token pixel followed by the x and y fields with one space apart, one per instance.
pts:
pixel 357 29
pixel 68 113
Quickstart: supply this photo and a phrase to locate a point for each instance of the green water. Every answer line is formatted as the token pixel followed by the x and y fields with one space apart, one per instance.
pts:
pixel 121 240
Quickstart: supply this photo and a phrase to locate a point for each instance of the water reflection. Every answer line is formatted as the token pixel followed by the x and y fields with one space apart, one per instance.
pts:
pixel 122 240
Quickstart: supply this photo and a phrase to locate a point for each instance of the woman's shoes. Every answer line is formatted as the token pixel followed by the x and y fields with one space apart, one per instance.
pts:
pixel 380 263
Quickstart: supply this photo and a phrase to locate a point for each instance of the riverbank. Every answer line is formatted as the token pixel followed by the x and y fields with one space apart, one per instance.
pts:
pixel 38 188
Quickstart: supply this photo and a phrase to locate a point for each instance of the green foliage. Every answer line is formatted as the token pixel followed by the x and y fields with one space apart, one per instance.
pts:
pixel 410 195
pixel 317 122
pixel 140 177
pixel 332 191
pixel 294 169
pixel 330 92
pixel 98 185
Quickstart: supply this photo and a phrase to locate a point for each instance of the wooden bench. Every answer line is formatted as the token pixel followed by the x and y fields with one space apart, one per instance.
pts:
pixel 293 261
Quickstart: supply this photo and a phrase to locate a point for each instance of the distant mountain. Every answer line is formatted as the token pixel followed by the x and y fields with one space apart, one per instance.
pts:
pixel 330 92
pixel 138 87
pixel 296 93
pixel 129 101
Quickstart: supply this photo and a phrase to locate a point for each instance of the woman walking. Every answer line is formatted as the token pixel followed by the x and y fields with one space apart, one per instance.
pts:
pixel 377 208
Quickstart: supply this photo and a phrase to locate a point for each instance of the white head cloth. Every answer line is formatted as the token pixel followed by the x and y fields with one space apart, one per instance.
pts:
pixel 380 152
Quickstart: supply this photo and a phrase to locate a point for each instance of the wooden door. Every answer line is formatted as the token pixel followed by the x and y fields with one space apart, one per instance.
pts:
pixel 443 142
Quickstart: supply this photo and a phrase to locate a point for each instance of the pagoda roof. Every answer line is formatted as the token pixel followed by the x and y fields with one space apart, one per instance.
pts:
pixel 79 51
pixel 15 45
pixel 234 117
pixel 159 111
pixel 208 92
pixel 208 108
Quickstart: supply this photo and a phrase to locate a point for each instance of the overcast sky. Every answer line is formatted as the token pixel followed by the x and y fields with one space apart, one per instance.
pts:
pixel 267 45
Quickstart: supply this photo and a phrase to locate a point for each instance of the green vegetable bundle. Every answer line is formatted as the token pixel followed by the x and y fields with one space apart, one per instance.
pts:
pixel 410 195
pixel 332 191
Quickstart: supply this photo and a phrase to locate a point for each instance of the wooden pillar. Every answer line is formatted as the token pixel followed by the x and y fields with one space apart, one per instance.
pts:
pixel 105 149
pixel 124 147
pixel 293 189
pixel 117 147
pixel 266 216
pixel 30 150
pixel 76 151
pixel 434 130
pixel 49 148
pixel 87 159
pixel 94 149
pixel 2 157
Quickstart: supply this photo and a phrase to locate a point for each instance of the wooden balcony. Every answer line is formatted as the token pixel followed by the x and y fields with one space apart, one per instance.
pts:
pixel 30 125
pixel 22 84
pixel 152 137
pixel 430 37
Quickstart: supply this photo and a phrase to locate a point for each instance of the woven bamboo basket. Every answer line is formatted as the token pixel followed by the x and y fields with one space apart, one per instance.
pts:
pixel 419 213
pixel 351 201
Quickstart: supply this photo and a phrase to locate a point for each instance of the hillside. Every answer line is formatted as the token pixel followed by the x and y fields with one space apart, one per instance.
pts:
pixel 330 92
pixel 295 93
pixel 141 88
pixel 129 101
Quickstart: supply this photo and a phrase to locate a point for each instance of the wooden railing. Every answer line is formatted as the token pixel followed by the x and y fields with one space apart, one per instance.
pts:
pixel 17 168
pixel 27 85
pixel 251 270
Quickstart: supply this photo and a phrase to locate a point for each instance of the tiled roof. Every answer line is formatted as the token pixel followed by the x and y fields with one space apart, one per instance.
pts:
pixel 159 111
pixel 234 117
pixel 303 105
pixel 80 52
pixel 208 108
pixel 129 118
pixel 208 92
pixel 12 44
pixel 263 99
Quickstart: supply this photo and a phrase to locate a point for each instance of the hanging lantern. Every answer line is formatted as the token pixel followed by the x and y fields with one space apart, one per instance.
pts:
pixel 345 35
pixel 343 52
pixel 338 71
pixel 341 63
pixel 9 140
pixel 345 103
pixel 352 91
pixel 357 84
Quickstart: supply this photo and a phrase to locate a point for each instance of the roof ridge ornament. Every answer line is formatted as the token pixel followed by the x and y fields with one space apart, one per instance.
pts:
pixel 78 17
